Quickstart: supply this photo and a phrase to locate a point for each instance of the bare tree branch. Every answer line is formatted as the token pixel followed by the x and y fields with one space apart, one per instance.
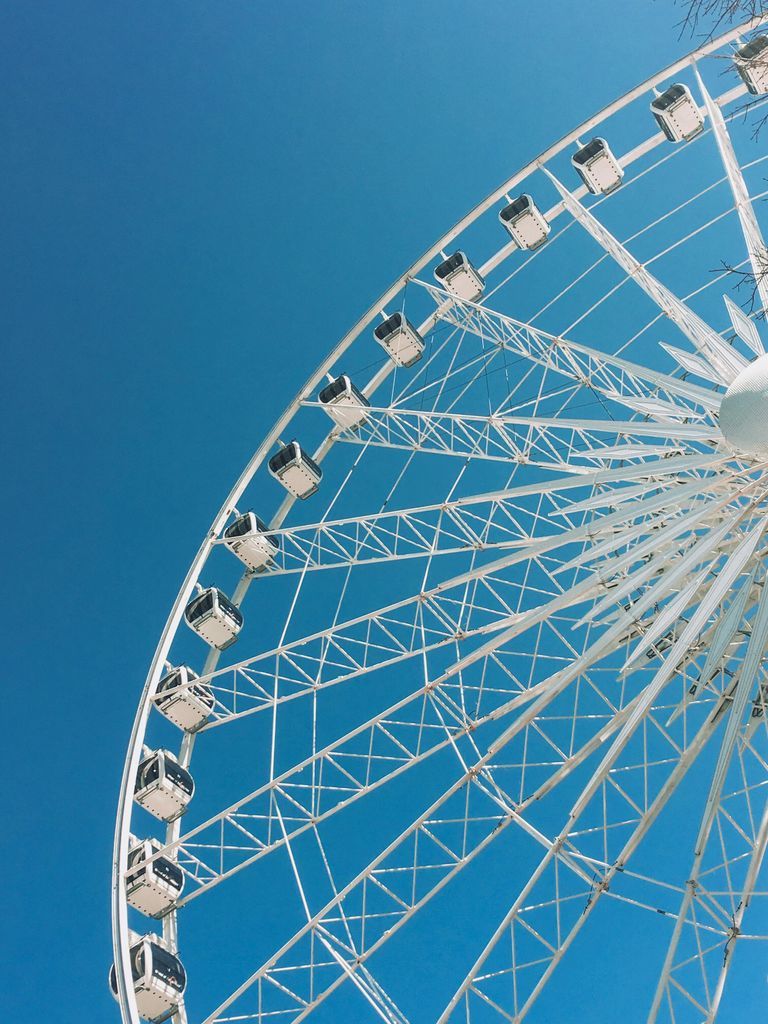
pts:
pixel 712 16
pixel 748 281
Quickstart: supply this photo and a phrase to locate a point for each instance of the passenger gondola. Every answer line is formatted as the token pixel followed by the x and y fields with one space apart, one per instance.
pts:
pixel 459 277
pixel 344 403
pixel 677 113
pixel 597 167
pixel 751 63
pixel 214 618
pixel 299 474
pixel 248 538
pixel 184 701
pixel 158 977
pixel 162 786
pixel 400 339
pixel 152 886
pixel 525 222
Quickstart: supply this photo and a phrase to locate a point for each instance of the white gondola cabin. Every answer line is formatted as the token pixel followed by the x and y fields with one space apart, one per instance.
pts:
pixel 525 222
pixel 597 167
pixel 214 618
pixel 299 474
pixel 249 539
pixel 344 403
pixel 752 64
pixel 677 113
pixel 400 339
pixel 184 701
pixel 459 277
pixel 158 977
pixel 162 786
pixel 152 886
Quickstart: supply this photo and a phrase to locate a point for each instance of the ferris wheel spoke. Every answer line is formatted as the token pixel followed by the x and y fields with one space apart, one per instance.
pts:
pixel 398 883
pixel 727 636
pixel 708 596
pixel 388 901
pixel 725 884
pixel 716 900
pixel 430 390
pixel 664 568
pixel 391 890
pixel 434 618
pixel 758 254
pixel 380 1000
pixel 693 583
pixel 385 637
pixel 382 1004
pixel 494 520
pixel 612 376
pixel 667 516
pixel 682 649
pixel 642 539
pixel 521 965
pixel 684 585
pixel 723 359
pixel 349 769
pixel 629 626
pixel 747 894
pixel 484 781
pixel 551 443
pixel 476 522
pixel 552 907
pixel 403 630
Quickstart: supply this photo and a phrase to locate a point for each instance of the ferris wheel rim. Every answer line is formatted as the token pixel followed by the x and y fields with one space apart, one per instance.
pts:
pixel 121 941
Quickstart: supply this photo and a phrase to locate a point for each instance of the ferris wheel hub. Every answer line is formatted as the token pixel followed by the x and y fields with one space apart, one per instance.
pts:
pixel 744 410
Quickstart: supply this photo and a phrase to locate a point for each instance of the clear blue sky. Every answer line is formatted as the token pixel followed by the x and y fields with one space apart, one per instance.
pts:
pixel 186 185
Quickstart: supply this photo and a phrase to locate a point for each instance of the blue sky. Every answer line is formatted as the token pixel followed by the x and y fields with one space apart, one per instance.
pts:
pixel 200 198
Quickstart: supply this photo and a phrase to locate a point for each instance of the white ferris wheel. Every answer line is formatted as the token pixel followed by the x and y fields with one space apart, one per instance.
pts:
pixel 492 739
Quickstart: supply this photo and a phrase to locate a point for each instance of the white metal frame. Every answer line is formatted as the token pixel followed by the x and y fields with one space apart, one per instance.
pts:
pixel 725 362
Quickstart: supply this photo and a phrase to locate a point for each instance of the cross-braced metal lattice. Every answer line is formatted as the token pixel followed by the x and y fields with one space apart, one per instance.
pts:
pixel 516 644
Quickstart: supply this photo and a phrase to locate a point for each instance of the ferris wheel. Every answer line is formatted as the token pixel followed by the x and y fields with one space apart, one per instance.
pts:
pixel 471 660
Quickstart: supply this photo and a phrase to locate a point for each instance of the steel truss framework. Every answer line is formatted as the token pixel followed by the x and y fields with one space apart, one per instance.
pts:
pixel 567 639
